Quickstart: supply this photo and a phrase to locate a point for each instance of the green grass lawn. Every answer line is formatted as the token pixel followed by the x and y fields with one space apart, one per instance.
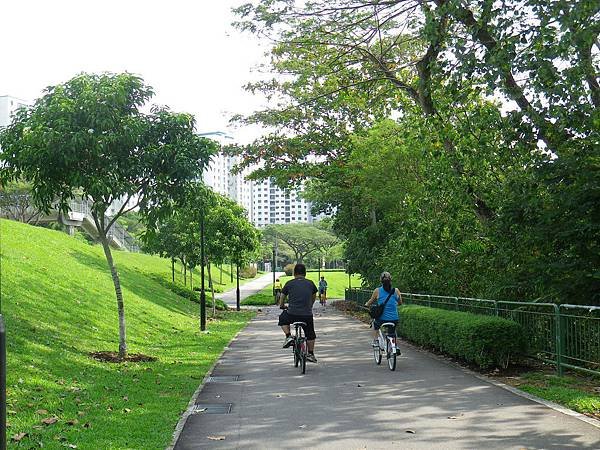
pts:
pixel 264 297
pixel 337 282
pixel 58 302
pixel 574 392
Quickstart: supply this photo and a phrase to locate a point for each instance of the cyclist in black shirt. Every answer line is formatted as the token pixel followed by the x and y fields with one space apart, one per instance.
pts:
pixel 301 294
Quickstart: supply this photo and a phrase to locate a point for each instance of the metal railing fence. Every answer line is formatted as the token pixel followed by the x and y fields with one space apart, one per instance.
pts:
pixel 567 336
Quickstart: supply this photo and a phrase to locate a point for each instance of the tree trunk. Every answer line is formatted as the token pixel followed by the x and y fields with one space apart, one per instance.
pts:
pixel 173 269
pixel 184 274
pixel 212 291
pixel 119 294
pixel 192 279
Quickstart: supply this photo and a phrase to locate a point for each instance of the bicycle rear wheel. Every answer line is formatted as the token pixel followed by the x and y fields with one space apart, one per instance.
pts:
pixel 391 356
pixel 377 354
pixel 296 350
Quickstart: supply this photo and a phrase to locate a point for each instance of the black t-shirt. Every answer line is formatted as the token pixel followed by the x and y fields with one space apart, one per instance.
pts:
pixel 300 293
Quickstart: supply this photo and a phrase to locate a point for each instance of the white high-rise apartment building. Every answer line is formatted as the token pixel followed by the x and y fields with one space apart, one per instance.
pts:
pixel 272 205
pixel 264 202
pixel 8 105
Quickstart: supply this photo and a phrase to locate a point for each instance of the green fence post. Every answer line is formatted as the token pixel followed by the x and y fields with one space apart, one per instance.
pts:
pixel 559 332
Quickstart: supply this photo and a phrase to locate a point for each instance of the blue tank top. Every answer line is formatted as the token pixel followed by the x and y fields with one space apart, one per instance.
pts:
pixel 390 312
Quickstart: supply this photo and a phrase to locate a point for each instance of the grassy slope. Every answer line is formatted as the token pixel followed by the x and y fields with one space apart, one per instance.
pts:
pixel 58 302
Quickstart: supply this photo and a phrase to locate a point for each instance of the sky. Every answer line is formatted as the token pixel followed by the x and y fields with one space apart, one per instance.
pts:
pixel 186 50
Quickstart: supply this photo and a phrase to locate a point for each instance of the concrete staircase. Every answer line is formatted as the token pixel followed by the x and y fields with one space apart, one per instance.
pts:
pixel 80 216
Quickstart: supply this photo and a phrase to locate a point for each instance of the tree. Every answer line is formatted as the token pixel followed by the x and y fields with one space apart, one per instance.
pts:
pixel 16 203
pixel 302 238
pixel 89 136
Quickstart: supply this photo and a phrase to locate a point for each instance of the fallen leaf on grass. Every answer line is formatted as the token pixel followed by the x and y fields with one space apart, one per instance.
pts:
pixel 410 431
pixel 18 437
pixel 86 425
pixel 72 446
pixel 127 410
pixel 216 438
pixel 41 412
pixel 73 422
pixel 80 413
pixel 50 420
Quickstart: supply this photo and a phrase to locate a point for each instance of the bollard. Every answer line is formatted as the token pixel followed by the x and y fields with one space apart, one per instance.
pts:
pixel 2 384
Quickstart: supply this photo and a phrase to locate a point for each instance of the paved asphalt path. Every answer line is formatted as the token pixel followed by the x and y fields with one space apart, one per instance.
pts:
pixel 347 402
pixel 247 289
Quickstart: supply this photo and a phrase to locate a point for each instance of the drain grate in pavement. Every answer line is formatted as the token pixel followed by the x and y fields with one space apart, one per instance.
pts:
pixel 213 408
pixel 224 379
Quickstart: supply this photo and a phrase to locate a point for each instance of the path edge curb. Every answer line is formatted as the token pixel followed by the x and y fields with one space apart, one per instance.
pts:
pixel 547 403
pixel 190 407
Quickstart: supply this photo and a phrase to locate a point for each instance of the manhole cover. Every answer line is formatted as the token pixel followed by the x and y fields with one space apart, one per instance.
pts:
pixel 213 408
pixel 224 379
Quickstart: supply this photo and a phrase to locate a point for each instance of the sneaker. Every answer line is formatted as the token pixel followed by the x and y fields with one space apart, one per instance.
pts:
pixel 288 341
pixel 311 358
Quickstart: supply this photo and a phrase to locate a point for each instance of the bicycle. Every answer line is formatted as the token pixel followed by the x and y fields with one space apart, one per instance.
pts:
pixel 299 346
pixel 386 344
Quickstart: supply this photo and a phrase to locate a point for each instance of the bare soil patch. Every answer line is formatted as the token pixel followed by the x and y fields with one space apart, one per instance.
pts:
pixel 113 357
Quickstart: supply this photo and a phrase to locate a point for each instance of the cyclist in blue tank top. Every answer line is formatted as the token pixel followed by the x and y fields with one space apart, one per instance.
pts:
pixel 390 312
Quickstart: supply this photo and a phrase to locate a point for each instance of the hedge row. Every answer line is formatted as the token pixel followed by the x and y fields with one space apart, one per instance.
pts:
pixel 486 341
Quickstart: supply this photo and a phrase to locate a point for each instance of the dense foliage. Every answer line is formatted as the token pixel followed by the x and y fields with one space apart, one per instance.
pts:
pixel 456 142
pixel 89 138
pixel 483 340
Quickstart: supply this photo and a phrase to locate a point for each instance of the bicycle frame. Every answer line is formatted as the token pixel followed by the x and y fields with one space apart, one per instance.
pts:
pixel 387 344
pixel 300 346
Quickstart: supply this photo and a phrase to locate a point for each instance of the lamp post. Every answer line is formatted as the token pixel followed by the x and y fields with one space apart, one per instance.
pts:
pixel 237 290
pixel 349 279
pixel 319 263
pixel 202 293
pixel 274 265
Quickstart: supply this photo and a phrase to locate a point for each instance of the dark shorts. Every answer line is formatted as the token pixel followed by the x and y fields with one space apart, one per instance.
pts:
pixel 323 291
pixel 377 323
pixel 309 330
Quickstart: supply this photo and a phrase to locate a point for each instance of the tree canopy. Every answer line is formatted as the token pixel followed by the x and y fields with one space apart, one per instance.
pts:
pixel 89 138
pixel 455 142
pixel 302 238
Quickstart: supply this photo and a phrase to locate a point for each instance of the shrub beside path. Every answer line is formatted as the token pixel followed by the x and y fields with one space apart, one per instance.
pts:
pixel 347 402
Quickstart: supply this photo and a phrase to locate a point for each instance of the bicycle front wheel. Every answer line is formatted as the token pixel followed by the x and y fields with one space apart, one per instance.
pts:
pixel 391 356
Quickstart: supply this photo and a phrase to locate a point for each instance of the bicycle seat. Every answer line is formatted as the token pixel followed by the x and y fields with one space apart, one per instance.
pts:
pixel 299 324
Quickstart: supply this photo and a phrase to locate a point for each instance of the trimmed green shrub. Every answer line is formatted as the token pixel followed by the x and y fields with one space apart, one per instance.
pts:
pixel 248 272
pixel 289 269
pixel 483 340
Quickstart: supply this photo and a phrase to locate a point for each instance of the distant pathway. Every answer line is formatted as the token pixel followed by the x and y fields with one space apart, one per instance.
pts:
pixel 248 289
pixel 347 402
